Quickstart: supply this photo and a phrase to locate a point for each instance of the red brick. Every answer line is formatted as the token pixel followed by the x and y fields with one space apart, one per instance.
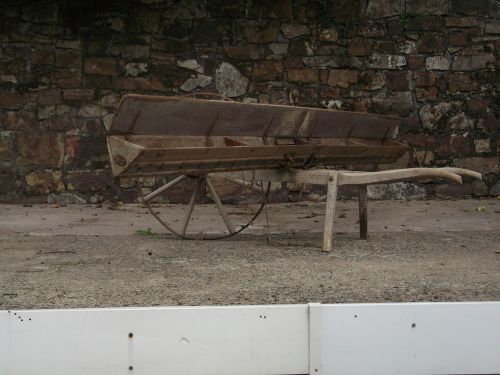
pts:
pixel 415 62
pixel 457 38
pixel 135 52
pixel 397 80
pixel 305 96
pixel 46 150
pixel 478 105
pixel 359 47
pixel 41 56
pixel 14 120
pixel 10 100
pixel 79 95
pixel 342 77
pixel 4 149
pixel 431 43
pixel 67 78
pixel 249 52
pixel 426 94
pixel 327 92
pixel 81 151
pixel 461 21
pixel 97 82
pixel 68 57
pixel 454 146
pixel 101 66
pixel 304 75
pixel 425 79
pixel 61 123
pixel 139 83
pixel 419 140
pixel 268 71
pixel 49 96
pixel 460 82
pixel 293 62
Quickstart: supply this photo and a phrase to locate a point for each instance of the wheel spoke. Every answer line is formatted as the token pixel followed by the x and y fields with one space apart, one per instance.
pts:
pixel 167 186
pixel 218 203
pixel 191 204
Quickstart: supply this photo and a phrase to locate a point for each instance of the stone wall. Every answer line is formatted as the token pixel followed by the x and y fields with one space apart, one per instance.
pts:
pixel 64 65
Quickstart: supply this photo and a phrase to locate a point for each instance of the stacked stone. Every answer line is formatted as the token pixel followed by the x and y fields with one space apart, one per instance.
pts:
pixel 64 65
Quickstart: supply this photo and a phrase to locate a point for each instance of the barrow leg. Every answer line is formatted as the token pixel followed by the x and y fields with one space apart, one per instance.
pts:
pixel 331 199
pixel 363 212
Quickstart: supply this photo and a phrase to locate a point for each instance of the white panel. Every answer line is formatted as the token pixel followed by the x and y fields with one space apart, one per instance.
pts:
pixel 189 340
pixel 420 338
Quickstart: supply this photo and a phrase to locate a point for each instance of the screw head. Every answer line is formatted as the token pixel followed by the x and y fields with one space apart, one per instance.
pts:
pixel 120 160
pixel 130 335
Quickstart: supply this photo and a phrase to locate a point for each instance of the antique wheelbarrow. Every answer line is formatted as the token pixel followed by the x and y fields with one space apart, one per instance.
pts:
pixel 247 144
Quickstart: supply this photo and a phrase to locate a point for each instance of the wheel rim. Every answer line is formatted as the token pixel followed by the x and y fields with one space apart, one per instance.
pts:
pixel 230 231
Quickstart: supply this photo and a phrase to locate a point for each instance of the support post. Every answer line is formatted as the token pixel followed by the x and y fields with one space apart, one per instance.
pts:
pixel 331 200
pixel 363 212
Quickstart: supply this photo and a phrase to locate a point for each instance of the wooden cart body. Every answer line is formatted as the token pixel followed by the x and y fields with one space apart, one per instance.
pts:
pixel 153 136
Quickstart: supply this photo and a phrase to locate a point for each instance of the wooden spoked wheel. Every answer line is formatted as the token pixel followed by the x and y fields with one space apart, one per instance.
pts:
pixel 231 224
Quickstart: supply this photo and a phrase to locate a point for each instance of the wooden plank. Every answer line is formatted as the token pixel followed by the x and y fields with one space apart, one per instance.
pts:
pixel 204 166
pixel 164 155
pixel 165 141
pixel 331 200
pixel 147 115
pixel 233 152
pixel 363 212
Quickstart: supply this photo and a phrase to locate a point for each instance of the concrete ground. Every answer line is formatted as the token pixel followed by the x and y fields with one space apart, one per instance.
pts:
pixel 88 256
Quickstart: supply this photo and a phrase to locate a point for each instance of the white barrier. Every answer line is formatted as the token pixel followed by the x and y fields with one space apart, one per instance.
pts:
pixel 415 338
pixel 418 338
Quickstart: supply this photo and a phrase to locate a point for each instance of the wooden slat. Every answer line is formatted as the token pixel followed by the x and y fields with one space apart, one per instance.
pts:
pixel 165 155
pixel 165 141
pixel 147 115
pixel 209 166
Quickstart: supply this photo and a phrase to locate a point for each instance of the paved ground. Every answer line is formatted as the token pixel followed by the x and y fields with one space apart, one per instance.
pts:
pixel 84 256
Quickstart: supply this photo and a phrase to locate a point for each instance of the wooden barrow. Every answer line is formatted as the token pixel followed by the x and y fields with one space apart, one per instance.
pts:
pixel 243 143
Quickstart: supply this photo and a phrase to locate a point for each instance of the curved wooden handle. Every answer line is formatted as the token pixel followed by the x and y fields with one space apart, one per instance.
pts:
pixel 397 175
pixel 464 172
